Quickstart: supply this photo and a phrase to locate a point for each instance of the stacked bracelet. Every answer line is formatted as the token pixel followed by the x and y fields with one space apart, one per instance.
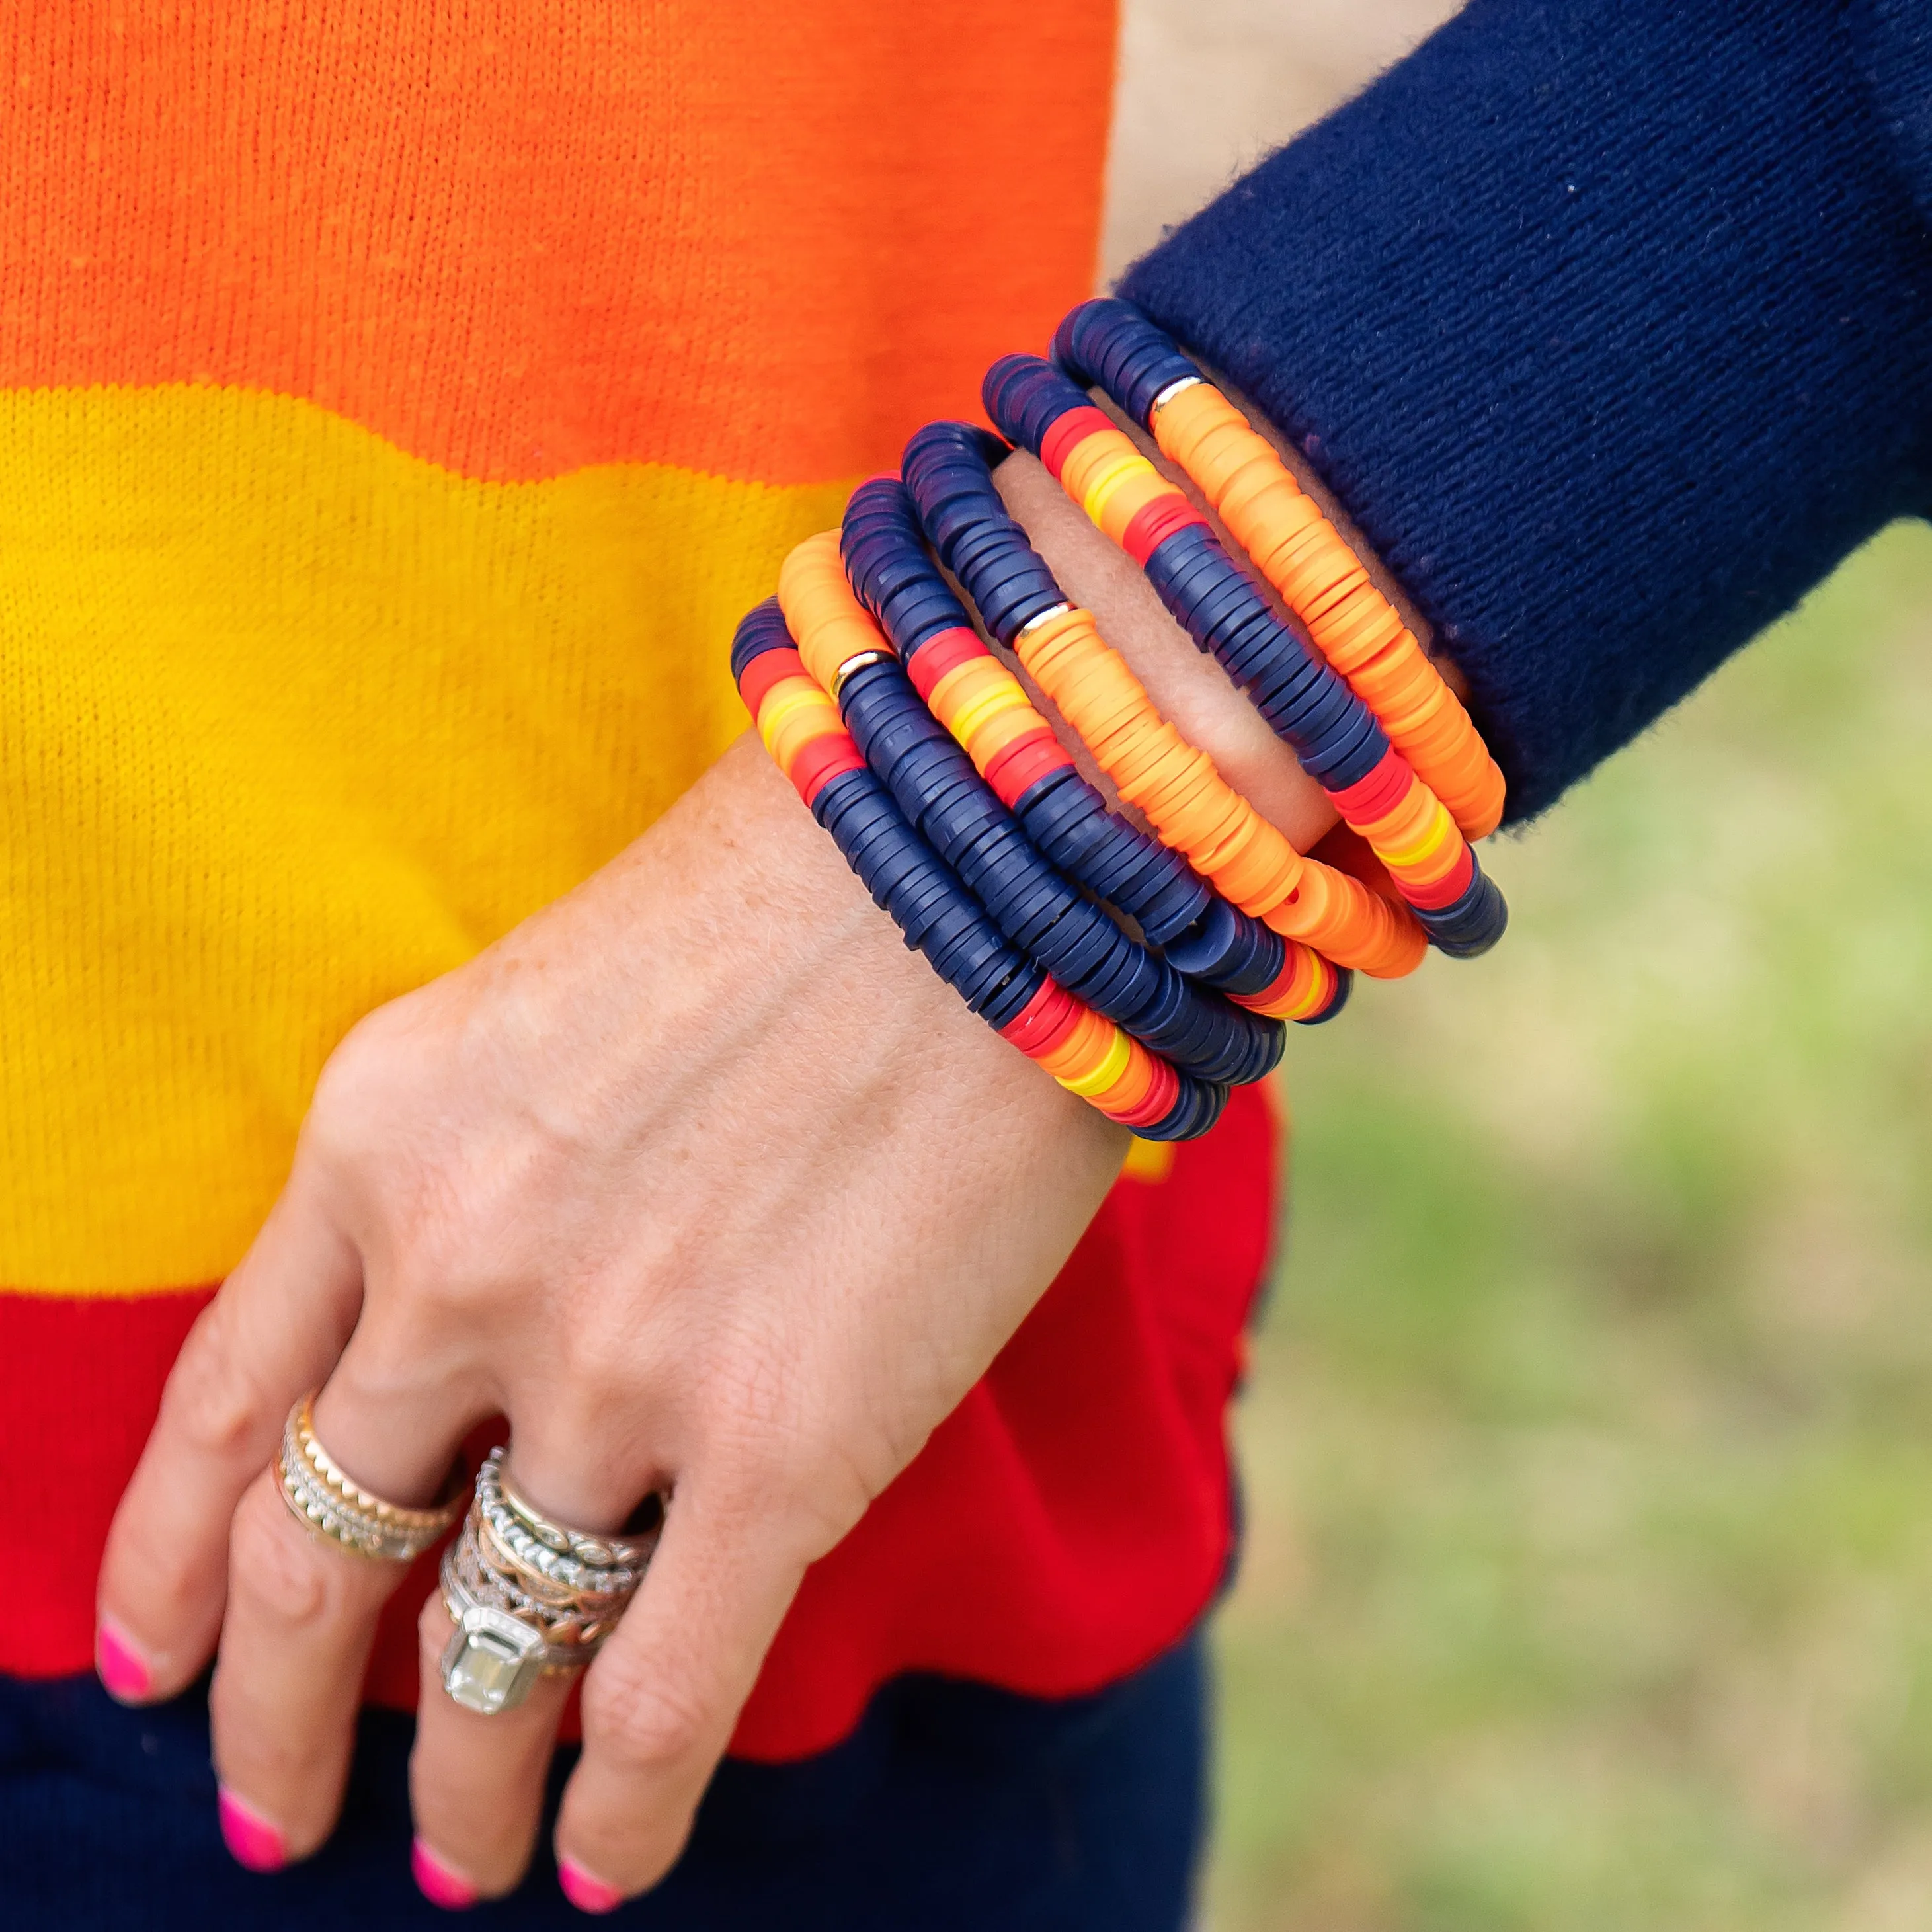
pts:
pixel 1086 1053
pixel 1185 799
pixel 959 815
pixel 1334 734
pixel 966 817
pixel 987 712
pixel 1110 345
pixel 985 708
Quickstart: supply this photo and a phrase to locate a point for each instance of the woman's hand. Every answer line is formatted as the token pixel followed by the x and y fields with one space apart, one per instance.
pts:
pixel 711 1187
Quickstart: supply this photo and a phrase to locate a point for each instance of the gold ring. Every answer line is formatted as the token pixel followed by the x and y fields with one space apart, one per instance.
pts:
pixel 323 1497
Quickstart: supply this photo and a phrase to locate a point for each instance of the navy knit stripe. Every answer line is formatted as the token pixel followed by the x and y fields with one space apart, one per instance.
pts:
pixel 1608 325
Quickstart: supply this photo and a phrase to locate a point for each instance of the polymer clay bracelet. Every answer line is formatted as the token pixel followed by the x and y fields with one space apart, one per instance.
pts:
pixel 986 709
pixel 953 809
pixel 1086 1053
pixel 1333 734
pixel 1185 800
pixel 987 712
pixel 1108 344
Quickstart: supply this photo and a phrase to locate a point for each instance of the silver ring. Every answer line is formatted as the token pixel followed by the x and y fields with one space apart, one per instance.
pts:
pixel 529 1596
pixel 572 1559
pixel 323 1498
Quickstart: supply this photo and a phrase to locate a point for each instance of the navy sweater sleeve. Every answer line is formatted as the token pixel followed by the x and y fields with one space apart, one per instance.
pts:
pixel 1607 321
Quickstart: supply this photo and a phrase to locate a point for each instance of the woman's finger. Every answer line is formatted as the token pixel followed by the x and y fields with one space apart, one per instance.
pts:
pixel 660 1702
pixel 302 1609
pixel 477 1782
pixel 274 1330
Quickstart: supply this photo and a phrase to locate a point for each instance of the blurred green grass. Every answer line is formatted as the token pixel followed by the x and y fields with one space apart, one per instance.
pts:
pixel 1588 1448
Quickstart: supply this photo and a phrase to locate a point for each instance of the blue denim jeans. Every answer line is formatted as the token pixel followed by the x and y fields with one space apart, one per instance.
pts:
pixel 951 1806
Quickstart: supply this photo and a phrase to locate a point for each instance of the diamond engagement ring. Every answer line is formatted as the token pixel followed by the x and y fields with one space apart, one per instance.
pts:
pixel 530 1597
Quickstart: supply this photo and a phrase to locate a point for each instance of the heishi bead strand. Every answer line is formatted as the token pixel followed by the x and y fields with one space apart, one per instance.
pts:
pixel 1109 344
pixel 1191 807
pixel 1333 734
pixel 986 709
pixel 951 807
pixel 988 713
pixel 1086 1053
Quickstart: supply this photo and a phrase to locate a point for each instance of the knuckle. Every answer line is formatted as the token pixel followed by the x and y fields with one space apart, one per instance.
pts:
pixel 362 1070
pixel 633 1715
pixel 274 1569
pixel 210 1399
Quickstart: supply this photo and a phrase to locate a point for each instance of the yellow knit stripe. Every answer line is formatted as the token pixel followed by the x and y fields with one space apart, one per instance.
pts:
pixel 290 722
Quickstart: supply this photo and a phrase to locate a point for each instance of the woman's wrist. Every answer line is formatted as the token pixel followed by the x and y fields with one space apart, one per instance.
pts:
pixel 1188 687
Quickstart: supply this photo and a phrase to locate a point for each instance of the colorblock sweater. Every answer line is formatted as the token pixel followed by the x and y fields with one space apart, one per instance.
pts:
pixel 400 400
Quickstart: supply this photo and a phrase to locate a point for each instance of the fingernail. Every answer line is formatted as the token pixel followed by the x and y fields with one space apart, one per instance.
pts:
pixel 437 1883
pixel 120 1666
pixel 254 1841
pixel 586 1893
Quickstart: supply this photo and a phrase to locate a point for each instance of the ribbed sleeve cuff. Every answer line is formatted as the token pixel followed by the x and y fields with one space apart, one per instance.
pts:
pixel 1606 322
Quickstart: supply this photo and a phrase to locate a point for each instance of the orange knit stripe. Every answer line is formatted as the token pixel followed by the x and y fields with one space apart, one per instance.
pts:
pixel 517 237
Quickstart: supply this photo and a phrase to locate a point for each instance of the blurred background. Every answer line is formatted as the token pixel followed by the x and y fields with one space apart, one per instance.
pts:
pixel 1588 1447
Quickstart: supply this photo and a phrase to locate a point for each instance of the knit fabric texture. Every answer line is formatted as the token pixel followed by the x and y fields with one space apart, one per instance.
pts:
pixel 1607 321
pixel 399 406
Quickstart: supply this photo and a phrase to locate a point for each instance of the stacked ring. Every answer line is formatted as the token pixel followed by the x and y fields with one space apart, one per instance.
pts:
pixel 1336 737
pixel 324 1498
pixel 529 1596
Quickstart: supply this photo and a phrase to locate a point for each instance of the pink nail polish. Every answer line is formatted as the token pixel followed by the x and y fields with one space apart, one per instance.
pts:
pixel 254 1841
pixel 120 1667
pixel 586 1893
pixel 437 1883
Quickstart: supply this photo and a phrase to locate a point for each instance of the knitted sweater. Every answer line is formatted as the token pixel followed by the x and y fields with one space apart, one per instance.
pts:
pixel 401 400
pixel 1607 321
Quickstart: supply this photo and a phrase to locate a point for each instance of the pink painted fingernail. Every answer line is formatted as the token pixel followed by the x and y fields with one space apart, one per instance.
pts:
pixel 120 1667
pixel 255 1842
pixel 586 1893
pixel 437 1883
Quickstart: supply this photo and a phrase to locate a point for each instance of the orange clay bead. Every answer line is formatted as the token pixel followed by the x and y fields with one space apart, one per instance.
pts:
pixel 1306 560
pixel 1135 1082
pixel 1117 503
pixel 984 707
pixel 1195 812
pixel 1094 458
pixel 831 625
pixel 795 711
pixel 991 736
pixel 1084 1048
pixel 1114 1063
